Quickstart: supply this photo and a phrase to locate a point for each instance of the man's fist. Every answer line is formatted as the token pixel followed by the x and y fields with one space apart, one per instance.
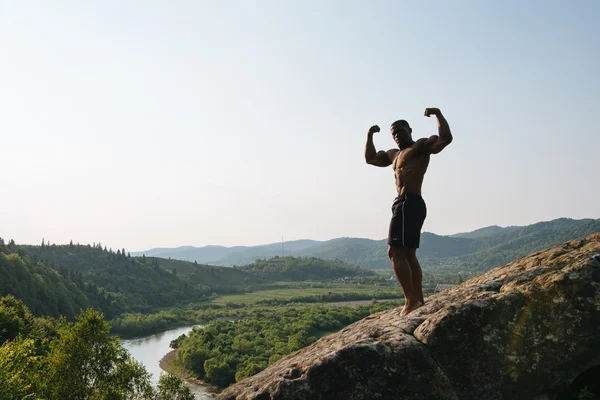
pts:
pixel 373 129
pixel 432 111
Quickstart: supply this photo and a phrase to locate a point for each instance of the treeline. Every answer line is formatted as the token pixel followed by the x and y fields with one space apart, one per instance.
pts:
pixel 46 358
pixel 224 352
pixel 301 269
pixel 142 283
pixel 48 291
pixel 137 324
pixel 63 280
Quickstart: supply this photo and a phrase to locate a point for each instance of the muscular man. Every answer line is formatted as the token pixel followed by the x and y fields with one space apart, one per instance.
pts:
pixel 410 163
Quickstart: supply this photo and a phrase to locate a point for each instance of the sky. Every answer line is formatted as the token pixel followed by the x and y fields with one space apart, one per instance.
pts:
pixel 143 124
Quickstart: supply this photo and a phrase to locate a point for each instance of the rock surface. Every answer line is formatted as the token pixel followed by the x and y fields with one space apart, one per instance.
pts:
pixel 522 331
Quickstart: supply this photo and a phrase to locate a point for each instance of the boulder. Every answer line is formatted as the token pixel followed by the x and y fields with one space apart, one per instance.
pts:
pixel 526 330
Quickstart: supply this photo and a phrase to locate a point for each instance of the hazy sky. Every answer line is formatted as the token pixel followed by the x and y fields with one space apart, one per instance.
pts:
pixel 145 124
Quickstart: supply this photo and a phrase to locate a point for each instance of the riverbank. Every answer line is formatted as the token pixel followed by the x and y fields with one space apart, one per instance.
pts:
pixel 169 364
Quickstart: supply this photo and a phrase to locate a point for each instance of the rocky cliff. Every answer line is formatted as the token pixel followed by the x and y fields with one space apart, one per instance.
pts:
pixel 526 330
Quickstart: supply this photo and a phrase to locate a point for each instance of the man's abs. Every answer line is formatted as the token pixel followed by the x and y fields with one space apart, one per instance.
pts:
pixel 409 174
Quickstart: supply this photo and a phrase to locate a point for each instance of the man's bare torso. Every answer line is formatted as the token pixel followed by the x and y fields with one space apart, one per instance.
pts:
pixel 409 167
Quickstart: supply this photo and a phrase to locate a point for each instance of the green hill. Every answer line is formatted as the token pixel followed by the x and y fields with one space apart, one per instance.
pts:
pixel 218 278
pixel 485 232
pixel 301 269
pixel 48 291
pixel 473 254
pixel 139 285
pixel 502 248
pixel 61 280
pixel 475 251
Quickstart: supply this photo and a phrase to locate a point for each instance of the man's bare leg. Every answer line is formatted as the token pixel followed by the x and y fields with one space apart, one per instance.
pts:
pixel 404 274
pixel 417 273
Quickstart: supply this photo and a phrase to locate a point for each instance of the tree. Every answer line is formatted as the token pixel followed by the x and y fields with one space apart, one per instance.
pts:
pixel 86 362
pixel 171 387
pixel 219 372
pixel 18 364
pixel 15 318
pixel 81 360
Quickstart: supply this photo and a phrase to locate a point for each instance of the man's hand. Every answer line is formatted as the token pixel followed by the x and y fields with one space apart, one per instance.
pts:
pixel 373 129
pixel 432 111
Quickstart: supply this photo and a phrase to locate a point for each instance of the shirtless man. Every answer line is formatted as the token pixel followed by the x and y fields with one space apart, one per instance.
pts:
pixel 410 163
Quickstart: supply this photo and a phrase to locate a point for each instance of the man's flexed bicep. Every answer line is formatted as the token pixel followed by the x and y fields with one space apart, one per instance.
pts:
pixel 377 158
pixel 383 158
pixel 436 143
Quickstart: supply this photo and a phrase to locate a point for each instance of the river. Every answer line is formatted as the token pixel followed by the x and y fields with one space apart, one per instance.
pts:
pixel 149 350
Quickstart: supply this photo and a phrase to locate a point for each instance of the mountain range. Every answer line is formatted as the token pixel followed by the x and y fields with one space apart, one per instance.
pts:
pixel 474 251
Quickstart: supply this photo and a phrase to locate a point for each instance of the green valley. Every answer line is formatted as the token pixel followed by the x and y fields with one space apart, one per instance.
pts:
pixel 253 314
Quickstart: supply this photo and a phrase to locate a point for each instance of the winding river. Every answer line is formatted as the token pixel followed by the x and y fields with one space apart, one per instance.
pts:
pixel 149 350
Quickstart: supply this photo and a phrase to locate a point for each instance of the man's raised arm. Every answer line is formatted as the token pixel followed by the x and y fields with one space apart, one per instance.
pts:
pixel 436 143
pixel 377 158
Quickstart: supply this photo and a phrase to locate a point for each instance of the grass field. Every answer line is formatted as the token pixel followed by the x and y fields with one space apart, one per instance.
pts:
pixel 288 293
pixel 354 303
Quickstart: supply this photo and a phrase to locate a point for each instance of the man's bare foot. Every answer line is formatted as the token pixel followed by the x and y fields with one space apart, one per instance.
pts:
pixel 409 307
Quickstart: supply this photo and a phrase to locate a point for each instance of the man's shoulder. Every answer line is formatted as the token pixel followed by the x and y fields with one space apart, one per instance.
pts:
pixel 418 145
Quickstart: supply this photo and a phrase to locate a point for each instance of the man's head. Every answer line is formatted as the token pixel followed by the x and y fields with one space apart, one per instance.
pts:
pixel 401 133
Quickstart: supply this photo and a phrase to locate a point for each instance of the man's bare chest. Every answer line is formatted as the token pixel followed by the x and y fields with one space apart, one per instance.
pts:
pixel 405 160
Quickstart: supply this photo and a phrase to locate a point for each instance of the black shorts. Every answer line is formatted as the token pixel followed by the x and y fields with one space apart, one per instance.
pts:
pixel 408 214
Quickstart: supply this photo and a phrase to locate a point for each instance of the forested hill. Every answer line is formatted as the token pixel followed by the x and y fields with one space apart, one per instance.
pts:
pixel 477 254
pixel 137 285
pixel 478 250
pixel 46 291
pixel 300 269
pixel 208 276
pixel 61 280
